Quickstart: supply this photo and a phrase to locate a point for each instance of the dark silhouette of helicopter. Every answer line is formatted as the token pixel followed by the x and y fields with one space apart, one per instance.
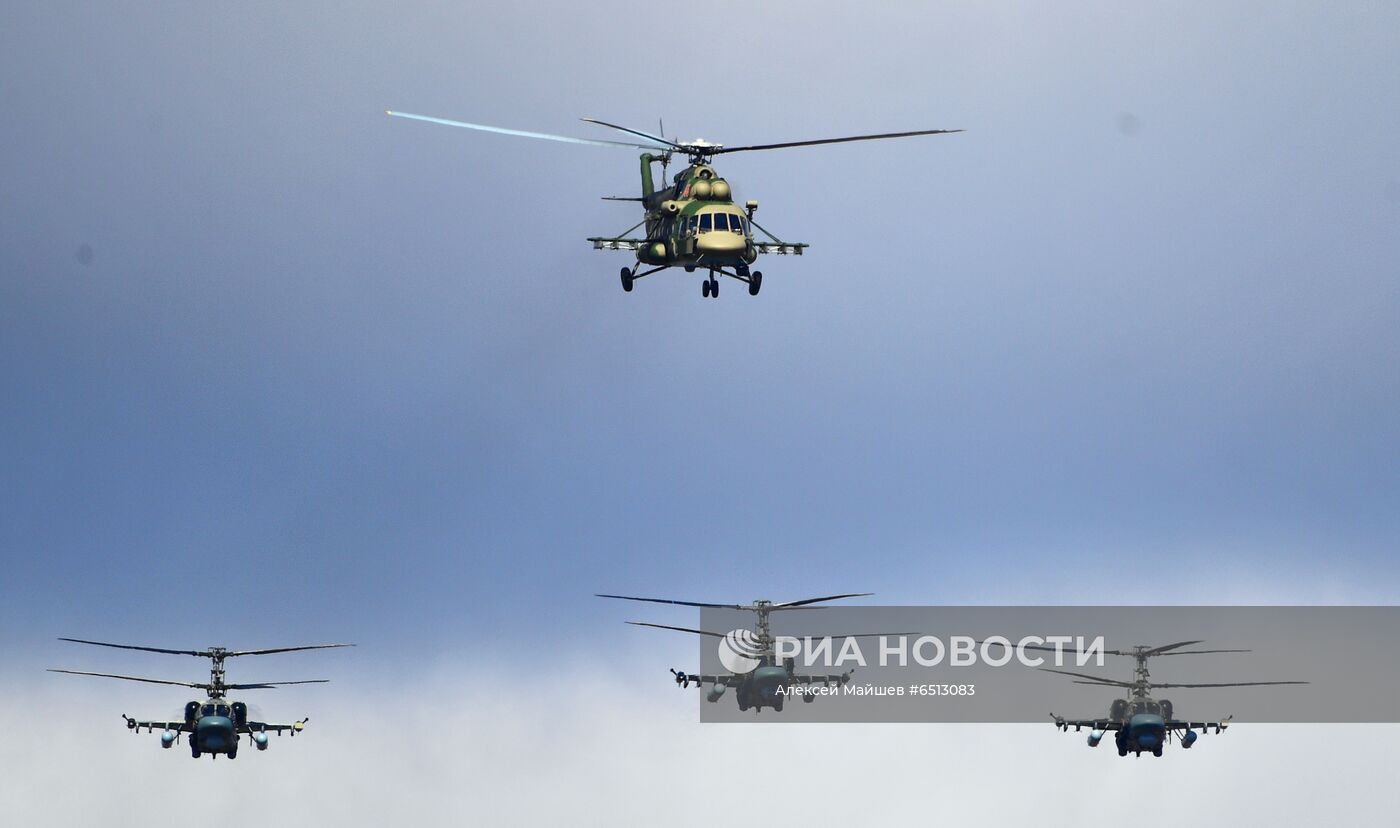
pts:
pixel 758 677
pixel 694 222
pixel 1140 722
pixel 216 725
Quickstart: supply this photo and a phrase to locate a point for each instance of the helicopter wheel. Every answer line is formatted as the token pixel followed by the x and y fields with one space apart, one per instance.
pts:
pixel 627 279
pixel 1157 751
pixel 778 706
pixel 233 754
pixel 743 708
pixel 194 748
pixel 705 288
pixel 1122 751
pixel 714 288
pixel 755 282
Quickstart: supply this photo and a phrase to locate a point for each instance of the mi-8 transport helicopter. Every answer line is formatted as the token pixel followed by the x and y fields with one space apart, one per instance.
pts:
pixel 693 222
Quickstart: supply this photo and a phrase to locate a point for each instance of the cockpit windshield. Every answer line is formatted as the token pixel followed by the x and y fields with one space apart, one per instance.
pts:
pixel 221 710
pixel 705 222
pixel 207 710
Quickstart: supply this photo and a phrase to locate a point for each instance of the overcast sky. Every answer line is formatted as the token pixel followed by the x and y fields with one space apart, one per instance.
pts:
pixel 278 368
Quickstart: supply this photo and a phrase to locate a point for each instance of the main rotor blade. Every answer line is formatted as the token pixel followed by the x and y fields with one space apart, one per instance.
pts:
pixel 271 685
pixel 629 130
pixel 132 678
pixel 1201 652
pixel 1098 679
pixel 1065 651
pixel 1162 649
pixel 520 132
pixel 677 629
pixel 669 601
pixel 286 649
pixel 806 601
pixel 203 653
pixel 837 140
pixel 1230 684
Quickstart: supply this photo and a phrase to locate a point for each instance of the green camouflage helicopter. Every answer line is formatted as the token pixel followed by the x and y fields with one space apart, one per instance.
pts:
pixel 694 223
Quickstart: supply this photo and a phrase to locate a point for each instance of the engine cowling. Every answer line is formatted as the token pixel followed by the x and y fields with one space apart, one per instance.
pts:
pixel 191 712
pixel 1094 737
pixel 702 190
pixel 720 190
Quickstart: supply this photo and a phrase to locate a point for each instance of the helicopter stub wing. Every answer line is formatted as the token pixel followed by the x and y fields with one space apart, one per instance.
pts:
pixel 781 248
pixel 264 727
pixel 604 243
pixel 137 724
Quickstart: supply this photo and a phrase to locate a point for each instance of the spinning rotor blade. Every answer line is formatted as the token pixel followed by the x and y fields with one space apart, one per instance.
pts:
pixel 677 629
pixel 806 601
pixel 669 601
pixel 203 653
pixel 520 132
pixel 272 685
pixel 286 649
pixel 637 132
pixel 837 140
pixel 1229 684
pixel 1098 679
pixel 133 678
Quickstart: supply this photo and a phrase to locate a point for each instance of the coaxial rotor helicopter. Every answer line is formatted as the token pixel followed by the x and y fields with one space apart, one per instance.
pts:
pixel 1140 722
pixel 217 724
pixel 758 677
pixel 694 222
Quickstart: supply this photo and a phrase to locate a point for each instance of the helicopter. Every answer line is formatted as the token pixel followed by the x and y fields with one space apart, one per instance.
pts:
pixel 215 725
pixel 693 223
pixel 1140 722
pixel 758 677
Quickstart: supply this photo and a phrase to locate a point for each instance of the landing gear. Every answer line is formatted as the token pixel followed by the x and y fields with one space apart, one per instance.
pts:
pixel 743 708
pixel 627 279
pixel 233 754
pixel 778 705
pixel 705 288
pixel 755 282
pixel 710 288
pixel 1157 751
pixel 194 747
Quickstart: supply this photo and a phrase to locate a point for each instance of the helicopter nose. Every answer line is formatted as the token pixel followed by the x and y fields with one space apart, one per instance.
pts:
pixel 720 242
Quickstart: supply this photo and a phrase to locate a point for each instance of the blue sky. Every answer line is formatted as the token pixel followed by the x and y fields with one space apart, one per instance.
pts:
pixel 281 369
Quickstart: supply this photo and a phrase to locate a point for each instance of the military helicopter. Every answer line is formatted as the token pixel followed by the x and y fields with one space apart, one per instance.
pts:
pixel 694 223
pixel 758 679
pixel 1141 722
pixel 216 723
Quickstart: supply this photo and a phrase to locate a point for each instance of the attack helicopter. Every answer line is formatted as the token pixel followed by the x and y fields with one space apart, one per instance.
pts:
pixel 758 677
pixel 694 222
pixel 1141 722
pixel 216 724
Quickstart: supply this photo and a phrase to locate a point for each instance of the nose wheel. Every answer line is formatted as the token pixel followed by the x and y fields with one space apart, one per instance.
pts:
pixel 627 279
pixel 710 288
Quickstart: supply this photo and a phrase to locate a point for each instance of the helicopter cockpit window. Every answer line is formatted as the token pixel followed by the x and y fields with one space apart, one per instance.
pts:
pixel 705 223
pixel 736 224
pixel 221 710
pixel 721 222
pixel 207 710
